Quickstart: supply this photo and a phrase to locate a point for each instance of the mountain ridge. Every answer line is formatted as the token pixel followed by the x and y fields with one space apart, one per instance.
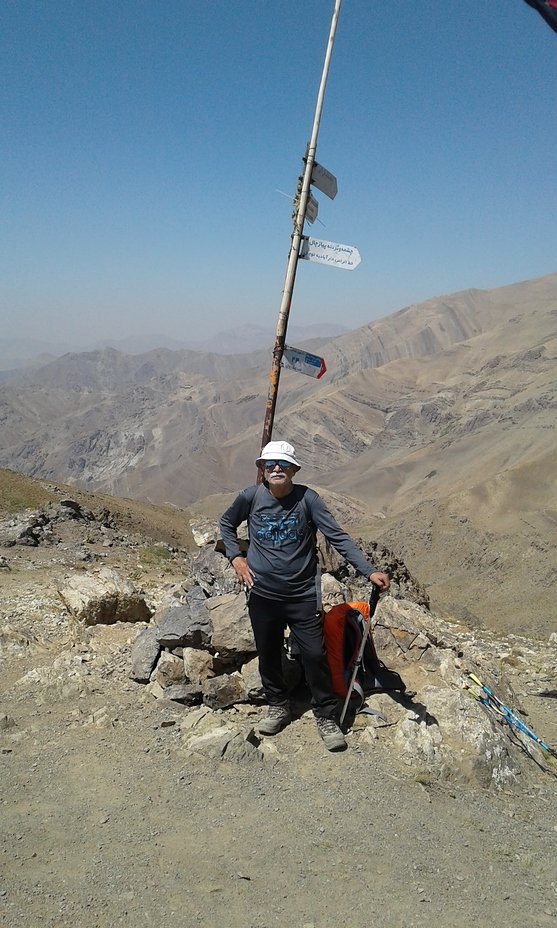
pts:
pixel 447 404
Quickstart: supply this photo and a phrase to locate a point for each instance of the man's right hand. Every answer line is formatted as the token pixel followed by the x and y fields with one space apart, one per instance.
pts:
pixel 243 571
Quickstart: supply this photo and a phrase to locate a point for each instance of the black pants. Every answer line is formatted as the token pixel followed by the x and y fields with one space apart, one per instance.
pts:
pixel 269 619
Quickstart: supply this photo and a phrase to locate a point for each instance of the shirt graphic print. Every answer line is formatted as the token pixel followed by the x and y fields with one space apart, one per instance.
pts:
pixel 277 531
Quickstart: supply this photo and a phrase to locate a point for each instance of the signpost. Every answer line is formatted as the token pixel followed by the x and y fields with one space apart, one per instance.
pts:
pixel 305 207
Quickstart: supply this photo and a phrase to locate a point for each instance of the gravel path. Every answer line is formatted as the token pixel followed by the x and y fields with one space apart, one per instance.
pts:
pixel 106 821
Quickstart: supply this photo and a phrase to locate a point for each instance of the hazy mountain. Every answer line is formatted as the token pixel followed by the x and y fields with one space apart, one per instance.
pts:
pixel 248 338
pixel 29 352
pixel 439 419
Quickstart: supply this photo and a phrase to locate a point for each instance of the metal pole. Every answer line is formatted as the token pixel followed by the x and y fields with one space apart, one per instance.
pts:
pixel 300 205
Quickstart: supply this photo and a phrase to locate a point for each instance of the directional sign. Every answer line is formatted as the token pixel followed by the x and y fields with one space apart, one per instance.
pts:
pixel 324 181
pixel 344 256
pixel 312 209
pixel 298 360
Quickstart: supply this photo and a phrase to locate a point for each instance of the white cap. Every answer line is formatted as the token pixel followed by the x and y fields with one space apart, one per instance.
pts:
pixel 278 451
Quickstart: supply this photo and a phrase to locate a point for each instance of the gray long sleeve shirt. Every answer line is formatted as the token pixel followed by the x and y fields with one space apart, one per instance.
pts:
pixel 281 550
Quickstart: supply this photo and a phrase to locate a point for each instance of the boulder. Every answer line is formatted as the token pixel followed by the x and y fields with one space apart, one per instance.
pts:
pixel 213 572
pixel 197 602
pixel 103 599
pixel 232 636
pixel 448 735
pixel 187 694
pixel 179 628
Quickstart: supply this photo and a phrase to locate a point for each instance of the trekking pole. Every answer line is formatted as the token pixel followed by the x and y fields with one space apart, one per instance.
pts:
pixel 373 600
pixel 507 715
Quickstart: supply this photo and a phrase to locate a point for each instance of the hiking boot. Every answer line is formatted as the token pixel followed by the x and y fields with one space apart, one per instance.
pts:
pixel 277 717
pixel 333 739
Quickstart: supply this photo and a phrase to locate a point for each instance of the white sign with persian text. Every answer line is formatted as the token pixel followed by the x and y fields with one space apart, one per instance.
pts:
pixel 331 253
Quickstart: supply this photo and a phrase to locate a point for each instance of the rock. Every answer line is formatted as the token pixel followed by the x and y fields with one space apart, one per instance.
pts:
pixel 26 533
pixel 330 560
pixel 333 591
pixel 179 628
pixel 204 531
pixel 252 680
pixel 188 694
pixel 196 599
pixel 64 679
pixel 224 691
pixel 169 670
pixel 232 634
pixel 212 743
pixel 6 722
pixel 104 599
pixel 173 627
pixel 240 749
pixel 202 719
pixel 213 572
pixel 454 738
pixel 397 627
pixel 210 738
pixel 70 509
pixel 156 690
pixel 198 664
pixel 145 652
pixel 4 564
pixel 100 718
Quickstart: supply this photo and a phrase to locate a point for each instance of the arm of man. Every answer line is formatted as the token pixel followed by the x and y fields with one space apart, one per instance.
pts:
pixel 237 513
pixel 342 542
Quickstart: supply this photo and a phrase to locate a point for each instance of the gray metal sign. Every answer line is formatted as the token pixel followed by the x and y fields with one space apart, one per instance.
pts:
pixel 324 181
pixel 312 209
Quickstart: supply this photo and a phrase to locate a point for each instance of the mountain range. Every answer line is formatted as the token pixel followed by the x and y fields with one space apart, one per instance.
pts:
pixel 33 353
pixel 433 431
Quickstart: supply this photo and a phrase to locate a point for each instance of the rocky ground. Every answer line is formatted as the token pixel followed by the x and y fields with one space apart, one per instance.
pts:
pixel 109 819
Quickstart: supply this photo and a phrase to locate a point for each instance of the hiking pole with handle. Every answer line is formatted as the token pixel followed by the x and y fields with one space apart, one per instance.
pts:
pixel 373 600
pixel 507 715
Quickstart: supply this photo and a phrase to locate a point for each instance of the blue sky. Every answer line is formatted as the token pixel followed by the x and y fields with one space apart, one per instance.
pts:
pixel 144 142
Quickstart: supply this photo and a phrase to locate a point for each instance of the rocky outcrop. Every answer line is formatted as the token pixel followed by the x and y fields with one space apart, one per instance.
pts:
pixel 194 652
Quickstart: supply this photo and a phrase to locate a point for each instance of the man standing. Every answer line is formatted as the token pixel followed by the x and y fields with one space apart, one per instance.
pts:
pixel 281 577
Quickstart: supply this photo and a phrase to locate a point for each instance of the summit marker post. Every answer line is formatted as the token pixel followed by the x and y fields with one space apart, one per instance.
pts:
pixel 299 215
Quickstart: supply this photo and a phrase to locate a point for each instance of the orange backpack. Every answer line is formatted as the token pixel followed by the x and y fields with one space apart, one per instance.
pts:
pixel 343 628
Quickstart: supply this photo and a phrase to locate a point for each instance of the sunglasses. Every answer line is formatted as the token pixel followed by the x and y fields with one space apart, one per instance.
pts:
pixel 270 465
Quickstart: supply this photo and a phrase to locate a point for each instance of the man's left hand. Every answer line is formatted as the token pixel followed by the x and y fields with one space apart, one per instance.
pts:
pixel 381 580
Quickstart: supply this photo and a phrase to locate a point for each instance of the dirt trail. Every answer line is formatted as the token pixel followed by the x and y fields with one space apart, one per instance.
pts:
pixel 107 822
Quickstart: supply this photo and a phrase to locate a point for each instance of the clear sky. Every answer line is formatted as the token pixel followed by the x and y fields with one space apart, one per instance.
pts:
pixel 143 143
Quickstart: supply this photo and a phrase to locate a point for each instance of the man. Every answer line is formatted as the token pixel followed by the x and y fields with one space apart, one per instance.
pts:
pixel 281 577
